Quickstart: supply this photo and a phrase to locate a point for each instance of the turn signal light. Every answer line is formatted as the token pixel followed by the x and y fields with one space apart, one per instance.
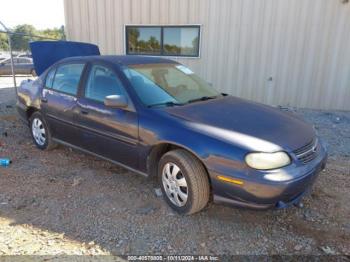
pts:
pixel 230 180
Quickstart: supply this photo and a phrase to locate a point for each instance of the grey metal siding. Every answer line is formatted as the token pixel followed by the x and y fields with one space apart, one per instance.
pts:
pixel 280 52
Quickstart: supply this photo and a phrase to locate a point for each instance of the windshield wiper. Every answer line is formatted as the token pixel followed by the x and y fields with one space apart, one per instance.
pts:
pixel 169 103
pixel 203 98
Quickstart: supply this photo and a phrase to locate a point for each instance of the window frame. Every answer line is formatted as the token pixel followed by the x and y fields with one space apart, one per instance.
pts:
pixel 52 69
pixel 126 39
pixel 86 81
pixel 55 67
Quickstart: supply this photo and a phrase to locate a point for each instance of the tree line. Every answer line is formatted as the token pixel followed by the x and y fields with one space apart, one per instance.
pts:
pixel 153 45
pixel 24 34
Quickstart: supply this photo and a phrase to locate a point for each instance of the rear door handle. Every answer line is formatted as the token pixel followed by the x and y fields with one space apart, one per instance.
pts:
pixel 44 100
pixel 84 112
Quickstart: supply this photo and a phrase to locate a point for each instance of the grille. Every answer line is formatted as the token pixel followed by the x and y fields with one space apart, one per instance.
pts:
pixel 308 152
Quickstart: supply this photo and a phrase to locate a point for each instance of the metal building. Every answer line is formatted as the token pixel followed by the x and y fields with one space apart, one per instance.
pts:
pixel 279 52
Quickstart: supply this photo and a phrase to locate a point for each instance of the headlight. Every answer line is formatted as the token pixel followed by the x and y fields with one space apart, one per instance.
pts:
pixel 265 161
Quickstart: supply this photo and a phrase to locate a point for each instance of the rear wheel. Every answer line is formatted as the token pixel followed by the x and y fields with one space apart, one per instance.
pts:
pixel 40 132
pixel 184 182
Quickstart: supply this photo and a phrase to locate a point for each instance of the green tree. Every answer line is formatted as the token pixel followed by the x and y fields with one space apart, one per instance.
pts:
pixel 195 43
pixel 23 34
pixel 153 44
pixel 55 33
pixel 4 46
pixel 133 36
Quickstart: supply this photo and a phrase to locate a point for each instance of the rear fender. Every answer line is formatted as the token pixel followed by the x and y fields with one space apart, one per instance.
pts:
pixel 29 93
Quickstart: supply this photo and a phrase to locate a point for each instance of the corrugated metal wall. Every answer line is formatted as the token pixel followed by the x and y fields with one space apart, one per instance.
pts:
pixel 285 52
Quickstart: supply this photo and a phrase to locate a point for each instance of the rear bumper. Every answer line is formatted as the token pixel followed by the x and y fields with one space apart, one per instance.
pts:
pixel 259 193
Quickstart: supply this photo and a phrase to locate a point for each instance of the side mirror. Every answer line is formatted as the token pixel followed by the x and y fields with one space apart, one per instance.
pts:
pixel 117 101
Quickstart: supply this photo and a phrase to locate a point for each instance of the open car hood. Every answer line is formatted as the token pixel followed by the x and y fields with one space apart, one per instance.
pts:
pixel 46 53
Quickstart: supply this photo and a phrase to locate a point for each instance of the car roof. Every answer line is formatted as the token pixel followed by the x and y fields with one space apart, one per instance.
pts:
pixel 122 59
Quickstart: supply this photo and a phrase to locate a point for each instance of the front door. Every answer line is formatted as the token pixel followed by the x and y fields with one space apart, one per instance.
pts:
pixel 109 132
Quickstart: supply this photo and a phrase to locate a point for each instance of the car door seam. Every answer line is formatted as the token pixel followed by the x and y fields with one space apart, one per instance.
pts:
pixel 114 136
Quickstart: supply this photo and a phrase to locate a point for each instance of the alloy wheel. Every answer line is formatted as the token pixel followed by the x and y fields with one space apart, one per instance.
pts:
pixel 175 184
pixel 38 131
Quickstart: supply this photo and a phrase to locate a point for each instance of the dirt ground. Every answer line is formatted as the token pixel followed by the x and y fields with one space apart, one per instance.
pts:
pixel 66 202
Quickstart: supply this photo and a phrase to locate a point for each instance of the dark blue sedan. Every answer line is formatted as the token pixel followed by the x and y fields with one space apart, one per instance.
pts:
pixel 157 118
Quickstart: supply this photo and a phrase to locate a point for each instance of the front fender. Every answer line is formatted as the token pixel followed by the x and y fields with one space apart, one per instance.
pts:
pixel 156 128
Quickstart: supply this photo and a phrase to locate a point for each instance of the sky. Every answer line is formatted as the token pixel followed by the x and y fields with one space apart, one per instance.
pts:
pixel 41 14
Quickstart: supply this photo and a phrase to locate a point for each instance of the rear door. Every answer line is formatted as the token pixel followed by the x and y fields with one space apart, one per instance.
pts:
pixel 109 132
pixel 59 99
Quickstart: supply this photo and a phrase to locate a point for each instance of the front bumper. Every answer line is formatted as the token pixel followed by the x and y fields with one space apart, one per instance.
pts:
pixel 259 193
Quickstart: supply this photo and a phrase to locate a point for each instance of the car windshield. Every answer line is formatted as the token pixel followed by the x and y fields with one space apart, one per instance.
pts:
pixel 168 84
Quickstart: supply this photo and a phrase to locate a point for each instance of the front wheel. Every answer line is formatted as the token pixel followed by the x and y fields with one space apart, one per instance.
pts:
pixel 40 132
pixel 184 182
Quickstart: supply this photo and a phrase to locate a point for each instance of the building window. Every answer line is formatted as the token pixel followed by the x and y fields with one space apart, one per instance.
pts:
pixel 143 40
pixel 163 40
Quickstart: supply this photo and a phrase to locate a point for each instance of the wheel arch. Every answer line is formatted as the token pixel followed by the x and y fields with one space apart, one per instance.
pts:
pixel 158 150
pixel 30 111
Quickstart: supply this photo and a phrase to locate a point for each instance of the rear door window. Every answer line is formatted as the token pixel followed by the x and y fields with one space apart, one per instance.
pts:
pixel 67 78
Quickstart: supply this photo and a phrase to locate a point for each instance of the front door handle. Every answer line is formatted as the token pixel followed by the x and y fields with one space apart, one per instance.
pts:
pixel 84 112
pixel 44 100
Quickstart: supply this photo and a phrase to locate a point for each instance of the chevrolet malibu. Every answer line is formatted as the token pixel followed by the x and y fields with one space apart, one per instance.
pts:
pixel 156 117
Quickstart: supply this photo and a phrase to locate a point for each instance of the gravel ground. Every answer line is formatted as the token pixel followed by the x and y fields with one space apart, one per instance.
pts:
pixel 66 202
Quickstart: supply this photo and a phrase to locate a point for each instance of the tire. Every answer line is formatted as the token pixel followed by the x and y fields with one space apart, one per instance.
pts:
pixel 171 181
pixel 39 130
